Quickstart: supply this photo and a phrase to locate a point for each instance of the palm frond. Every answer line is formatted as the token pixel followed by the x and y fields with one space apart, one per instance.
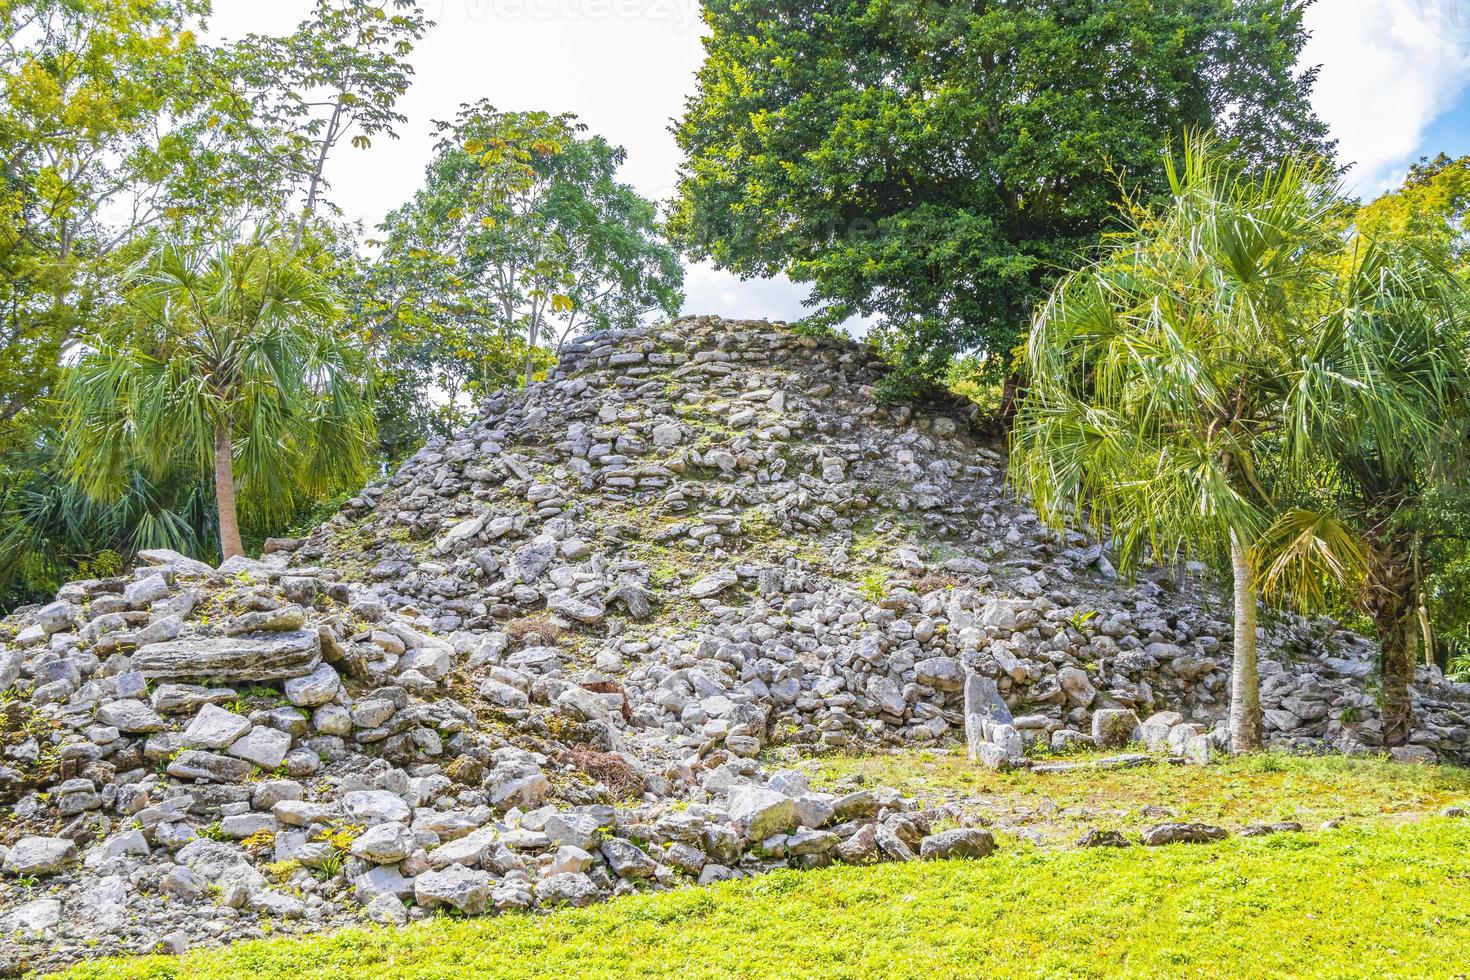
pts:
pixel 1305 554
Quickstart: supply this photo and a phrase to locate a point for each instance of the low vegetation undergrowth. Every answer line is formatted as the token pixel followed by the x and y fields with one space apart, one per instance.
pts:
pixel 1389 900
pixel 1271 786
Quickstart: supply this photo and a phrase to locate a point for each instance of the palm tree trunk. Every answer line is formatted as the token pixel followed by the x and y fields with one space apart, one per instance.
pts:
pixel 1390 604
pixel 224 494
pixel 1245 684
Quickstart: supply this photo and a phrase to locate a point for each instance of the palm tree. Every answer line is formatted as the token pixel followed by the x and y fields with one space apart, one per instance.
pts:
pixel 227 362
pixel 1155 372
pixel 1376 430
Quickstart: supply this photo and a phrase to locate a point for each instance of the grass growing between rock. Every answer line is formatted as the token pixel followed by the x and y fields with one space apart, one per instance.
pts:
pixel 1386 900
pixel 1237 791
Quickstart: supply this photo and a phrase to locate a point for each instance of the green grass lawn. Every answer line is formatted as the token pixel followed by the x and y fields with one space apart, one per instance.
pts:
pixel 1387 900
pixel 1387 894
pixel 1235 792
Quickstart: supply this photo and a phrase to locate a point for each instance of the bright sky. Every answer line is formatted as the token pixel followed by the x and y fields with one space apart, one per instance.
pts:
pixel 1395 85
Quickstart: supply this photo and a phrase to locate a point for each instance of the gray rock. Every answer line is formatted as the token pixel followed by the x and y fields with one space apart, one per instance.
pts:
pixel 576 829
pixel 208 766
pixel 37 916
pixel 273 903
pixel 861 847
pixel 713 584
pixel 502 695
pixel 572 607
pixel 387 843
pixel 172 561
pixel 570 860
pixel 941 673
pixel 286 618
pixel 215 728
pixel 182 882
pixel 219 863
pixel 315 689
pixel 1183 833
pixel 56 617
pixel 265 747
pixel 1077 686
pixel 983 706
pixel 40 856
pixel 133 717
pixel 384 879
pixel 463 888
pixel 371 807
pixel 532 560
pixel 146 590
pixel 627 860
pixel 264 657
pixel 388 910
pixel 433 662
pixel 759 812
pixel 239 826
pixel 183 699
pixel 567 889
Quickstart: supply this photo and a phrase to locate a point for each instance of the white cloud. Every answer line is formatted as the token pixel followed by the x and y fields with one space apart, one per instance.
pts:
pixel 710 290
pixel 1389 67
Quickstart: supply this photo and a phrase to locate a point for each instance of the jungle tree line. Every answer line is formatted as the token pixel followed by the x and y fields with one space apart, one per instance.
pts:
pixel 196 349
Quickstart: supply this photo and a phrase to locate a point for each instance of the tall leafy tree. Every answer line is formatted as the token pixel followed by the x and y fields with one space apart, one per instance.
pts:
pixel 228 363
pixel 521 235
pixel 338 76
pixel 1430 212
pixel 935 164
pixel 1157 372
pixel 95 93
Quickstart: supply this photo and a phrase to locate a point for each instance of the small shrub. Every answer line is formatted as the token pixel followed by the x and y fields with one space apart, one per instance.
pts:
pixel 282 871
pixel 105 564
pixel 550 633
pixel 935 583
pixel 340 834
pixel 874 586
pixel 610 769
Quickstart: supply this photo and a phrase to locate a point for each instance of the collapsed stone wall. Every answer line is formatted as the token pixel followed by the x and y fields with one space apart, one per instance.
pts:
pixel 577 625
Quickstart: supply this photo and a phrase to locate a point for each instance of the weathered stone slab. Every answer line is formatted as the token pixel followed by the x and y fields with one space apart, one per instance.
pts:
pixel 983 706
pixel 257 657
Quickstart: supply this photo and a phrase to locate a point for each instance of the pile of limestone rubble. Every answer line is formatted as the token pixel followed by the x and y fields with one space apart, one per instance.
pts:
pixel 539 665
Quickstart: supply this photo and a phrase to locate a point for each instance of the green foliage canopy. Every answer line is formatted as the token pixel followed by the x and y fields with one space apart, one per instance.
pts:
pixel 935 164
pixel 229 362
pixel 521 236
pixel 93 96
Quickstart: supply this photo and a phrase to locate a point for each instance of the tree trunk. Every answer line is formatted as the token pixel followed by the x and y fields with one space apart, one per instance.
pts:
pixel 531 348
pixel 1245 686
pixel 1390 604
pixel 315 183
pixel 1012 390
pixel 224 494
